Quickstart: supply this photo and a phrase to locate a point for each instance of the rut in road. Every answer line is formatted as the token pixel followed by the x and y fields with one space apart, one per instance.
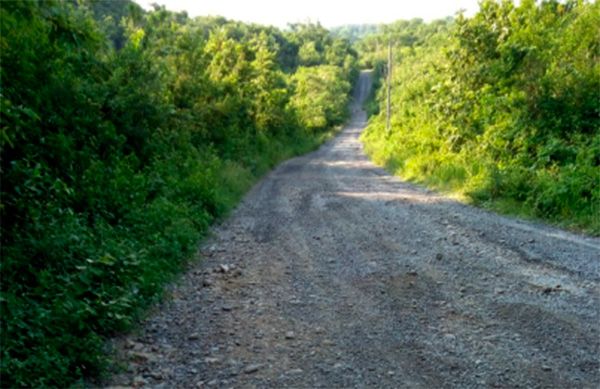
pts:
pixel 332 273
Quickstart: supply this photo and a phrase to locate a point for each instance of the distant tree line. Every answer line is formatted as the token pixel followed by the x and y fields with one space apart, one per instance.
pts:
pixel 355 32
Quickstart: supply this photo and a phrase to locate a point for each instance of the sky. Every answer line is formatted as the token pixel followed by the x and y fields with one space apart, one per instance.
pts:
pixel 330 13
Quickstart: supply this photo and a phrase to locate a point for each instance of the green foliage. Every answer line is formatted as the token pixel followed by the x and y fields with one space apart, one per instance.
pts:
pixel 321 96
pixel 502 107
pixel 402 33
pixel 355 32
pixel 109 15
pixel 117 157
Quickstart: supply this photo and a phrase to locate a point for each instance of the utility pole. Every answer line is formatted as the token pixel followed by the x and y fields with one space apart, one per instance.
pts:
pixel 389 87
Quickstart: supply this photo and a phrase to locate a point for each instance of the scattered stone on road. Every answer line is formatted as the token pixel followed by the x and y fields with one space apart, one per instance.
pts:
pixel 385 284
pixel 252 368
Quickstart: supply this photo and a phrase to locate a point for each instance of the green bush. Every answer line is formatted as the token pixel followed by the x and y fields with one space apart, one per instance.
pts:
pixel 502 107
pixel 118 154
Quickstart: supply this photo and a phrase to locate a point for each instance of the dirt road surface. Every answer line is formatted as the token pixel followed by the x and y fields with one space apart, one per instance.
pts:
pixel 332 273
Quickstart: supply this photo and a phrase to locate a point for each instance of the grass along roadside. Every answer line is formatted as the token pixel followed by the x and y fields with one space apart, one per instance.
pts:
pixel 453 183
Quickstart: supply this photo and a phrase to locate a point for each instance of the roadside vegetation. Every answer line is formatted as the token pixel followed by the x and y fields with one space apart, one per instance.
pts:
pixel 124 135
pixel 501 108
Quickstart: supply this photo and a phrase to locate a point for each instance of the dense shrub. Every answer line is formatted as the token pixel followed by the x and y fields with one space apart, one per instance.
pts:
pixel 118 153
pixel 503 107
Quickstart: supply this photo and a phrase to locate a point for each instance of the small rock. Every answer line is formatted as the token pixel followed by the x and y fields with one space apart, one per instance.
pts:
pixel 211 360
pixel 290 335
pixel 155 375
pixel 252 368
pixel 531 241
pixel 194 371
pixel 439 256
pixel 206 283
pixel 546 368
pixel 224 268
pixel 139 381
pixel 226 308
pixel 130 344
pixel 193 336
pixel 295 372
pixel 213 383
pixel 449 336
pixel 141 357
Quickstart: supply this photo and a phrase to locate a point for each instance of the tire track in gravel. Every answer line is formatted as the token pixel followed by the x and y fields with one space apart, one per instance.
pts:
pixel 332 273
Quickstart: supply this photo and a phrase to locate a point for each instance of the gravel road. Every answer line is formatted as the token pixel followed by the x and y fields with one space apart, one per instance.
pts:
pixel 332 273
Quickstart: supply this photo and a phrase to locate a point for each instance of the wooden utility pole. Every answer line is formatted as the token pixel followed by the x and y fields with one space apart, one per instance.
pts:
pixel 389 87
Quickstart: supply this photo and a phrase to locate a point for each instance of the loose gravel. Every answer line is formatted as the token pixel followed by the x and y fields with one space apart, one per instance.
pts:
pixel 332 273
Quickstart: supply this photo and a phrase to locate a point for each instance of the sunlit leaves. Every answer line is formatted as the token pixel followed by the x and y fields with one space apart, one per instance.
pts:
pixel 502 107
pixel 321 96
